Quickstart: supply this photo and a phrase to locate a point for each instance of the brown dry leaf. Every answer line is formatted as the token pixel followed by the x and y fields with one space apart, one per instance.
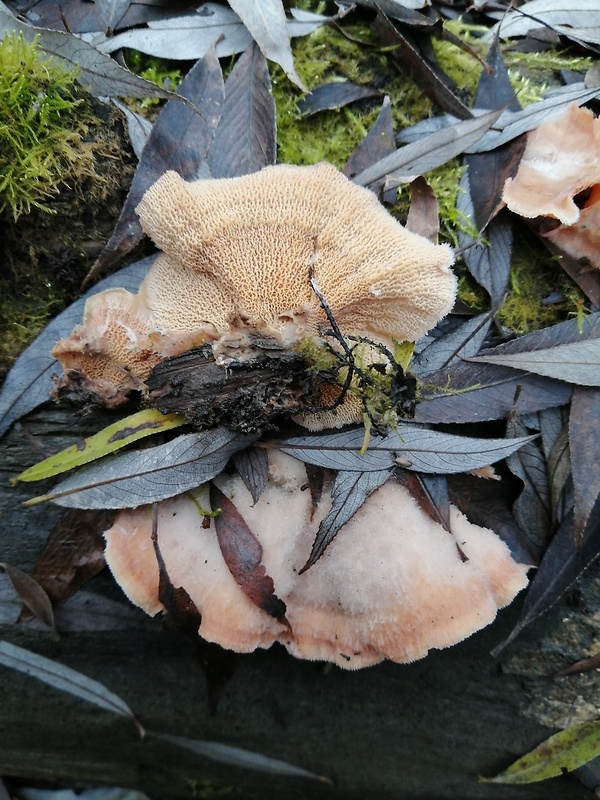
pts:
pixel 32 595
pixel 73 552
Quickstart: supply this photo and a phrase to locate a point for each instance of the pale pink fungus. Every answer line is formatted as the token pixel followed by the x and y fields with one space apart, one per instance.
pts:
pixel 392 585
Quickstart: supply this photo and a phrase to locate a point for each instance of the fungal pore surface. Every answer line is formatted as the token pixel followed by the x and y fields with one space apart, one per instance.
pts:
pixel 255 271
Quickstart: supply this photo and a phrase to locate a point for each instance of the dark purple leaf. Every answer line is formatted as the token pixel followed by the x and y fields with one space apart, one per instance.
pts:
pixel 462 342
pixel 532 509
pixel 430 492
pixel 378 142
pixel 554 428
pixel 469 392
pixel 349 492
pixel 253 468
pixel 488 263
pixel 488 171
pixel 584 425
pixel 246 138
pixel 426 74
pixel 29 382
pixel 329 96
pixel 487 503
pixel 242 552
pixel 560 352
pixel 562 564
pixel 412 446
pixel 180 140
pixel 181 610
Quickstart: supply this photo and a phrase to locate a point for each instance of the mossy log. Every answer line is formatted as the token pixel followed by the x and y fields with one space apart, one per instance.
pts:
pixel 423 730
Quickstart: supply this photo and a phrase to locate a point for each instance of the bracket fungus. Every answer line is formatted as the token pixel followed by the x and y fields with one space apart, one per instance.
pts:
pixel 254 272
pixel 392 585
pixel 266 250
pixel 559 178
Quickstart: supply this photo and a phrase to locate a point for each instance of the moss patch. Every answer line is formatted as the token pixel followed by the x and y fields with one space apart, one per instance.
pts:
pixel 51 239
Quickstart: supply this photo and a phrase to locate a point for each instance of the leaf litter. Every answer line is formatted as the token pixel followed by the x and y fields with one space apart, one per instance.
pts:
pixel 232 132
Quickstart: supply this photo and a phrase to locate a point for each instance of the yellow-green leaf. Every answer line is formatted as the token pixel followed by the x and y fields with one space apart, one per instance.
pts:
pixel 108 440
pixel 403 352
pixel 564 751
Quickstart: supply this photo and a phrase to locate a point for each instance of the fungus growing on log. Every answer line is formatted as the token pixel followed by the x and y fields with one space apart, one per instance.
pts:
pixel 392 585
pixel 278 250
pixel 559 178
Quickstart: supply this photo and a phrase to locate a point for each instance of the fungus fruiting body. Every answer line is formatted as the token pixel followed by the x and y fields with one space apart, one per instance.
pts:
pixel 289 266
pixel 244 250
pixel 560 162
pixel 392 585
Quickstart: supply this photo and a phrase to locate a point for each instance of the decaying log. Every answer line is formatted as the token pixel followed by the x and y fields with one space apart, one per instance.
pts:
pixel 424 730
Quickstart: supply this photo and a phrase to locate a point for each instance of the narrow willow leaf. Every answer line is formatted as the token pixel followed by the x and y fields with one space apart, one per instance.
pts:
pixel 32 595
pixel 253 468
pixel 65 679
pixel 418 448
pixel 350 491
pixel 110 439
pixel 238 757
pixel 577 362
pixel 265 19
pixel 148 476
pixel 429 152
pixel 564 751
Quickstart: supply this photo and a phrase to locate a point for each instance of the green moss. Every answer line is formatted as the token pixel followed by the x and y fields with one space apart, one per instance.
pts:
pixel 535 276
pixel 328 56
pixel 40 131
pixel 160 71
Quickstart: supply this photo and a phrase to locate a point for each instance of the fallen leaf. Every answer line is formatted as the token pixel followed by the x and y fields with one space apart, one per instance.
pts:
pixel 110 13
pixel 95 71
pixel 180 140
pixel 475 392
pixel 532 509
pixel 252 465
pixel 32 594
pixel 110 439
pixel 246 137
pixel 65 679
pixel 329 96
pixel 423 217
pixel 242 553
pixel 430 492
pixel 425 73
pixel 73 552
pixel 563 752
pixel 147 476
pixel 138 128
pixel 378 142
pixel 578 362
pixel 561 17
pixel 561 565
pixel 584 423
pixel 235 756
pixel 265 19
pixel 420 449
pixel 350 490
pixel 430 152
pixel 465 340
